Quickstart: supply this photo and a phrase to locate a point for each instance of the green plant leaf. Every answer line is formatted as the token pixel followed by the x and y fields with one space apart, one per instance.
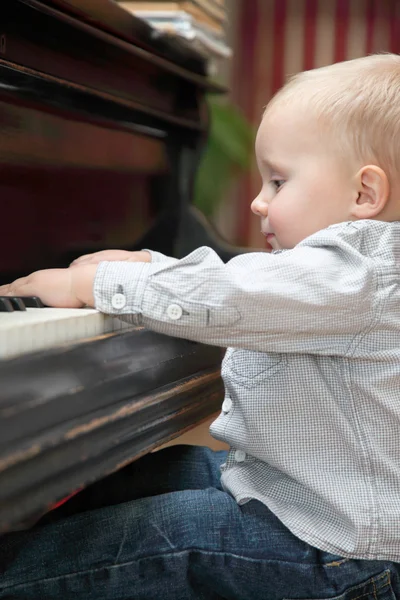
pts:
pixel 228 153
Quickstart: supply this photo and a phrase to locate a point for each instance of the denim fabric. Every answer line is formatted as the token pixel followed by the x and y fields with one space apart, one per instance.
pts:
pixel 163 529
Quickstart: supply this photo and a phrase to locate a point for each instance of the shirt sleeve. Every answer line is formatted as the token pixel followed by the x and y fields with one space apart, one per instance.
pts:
pixel 312 299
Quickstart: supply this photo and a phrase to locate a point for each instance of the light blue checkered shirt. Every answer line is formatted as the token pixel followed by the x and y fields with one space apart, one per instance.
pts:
pixel 312 375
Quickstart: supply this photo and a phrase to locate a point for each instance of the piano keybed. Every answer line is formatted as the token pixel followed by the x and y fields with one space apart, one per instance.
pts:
pixel 34 329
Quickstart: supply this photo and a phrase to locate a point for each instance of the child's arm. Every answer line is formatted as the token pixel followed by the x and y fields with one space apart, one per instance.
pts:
pixel 314 298
pixel 311 299
pixel 69 288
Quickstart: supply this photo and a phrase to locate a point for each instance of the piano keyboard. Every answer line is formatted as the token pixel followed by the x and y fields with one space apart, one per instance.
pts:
pixel 36 329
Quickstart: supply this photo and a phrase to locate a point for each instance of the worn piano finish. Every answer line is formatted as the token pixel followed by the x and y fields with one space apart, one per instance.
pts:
pixel 101 129
pixel 71 415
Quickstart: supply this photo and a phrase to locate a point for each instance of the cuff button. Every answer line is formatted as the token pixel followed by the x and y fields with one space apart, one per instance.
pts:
pixel 174 311
pixel 118 301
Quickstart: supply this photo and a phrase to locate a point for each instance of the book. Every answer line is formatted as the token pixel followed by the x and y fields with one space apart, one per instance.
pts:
pixel 197 8
pixel 196 34
pixel 181 22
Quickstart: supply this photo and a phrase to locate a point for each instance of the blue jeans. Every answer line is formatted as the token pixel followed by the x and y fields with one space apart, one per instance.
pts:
pixel 163 529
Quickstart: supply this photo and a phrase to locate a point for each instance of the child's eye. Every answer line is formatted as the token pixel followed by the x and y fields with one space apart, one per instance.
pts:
pixel 277 183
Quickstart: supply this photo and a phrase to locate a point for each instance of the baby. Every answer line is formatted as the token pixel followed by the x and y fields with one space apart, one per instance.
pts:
pixel 306 503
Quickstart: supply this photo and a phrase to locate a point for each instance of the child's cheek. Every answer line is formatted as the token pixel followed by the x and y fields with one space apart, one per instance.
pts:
pixel 276 218
pixel 285 224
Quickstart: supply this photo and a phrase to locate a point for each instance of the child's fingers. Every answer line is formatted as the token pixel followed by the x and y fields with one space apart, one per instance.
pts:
pixel 81 259
pixel 14 288
pixel 102 255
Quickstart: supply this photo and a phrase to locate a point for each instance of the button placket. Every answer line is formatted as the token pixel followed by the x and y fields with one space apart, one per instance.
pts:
pixel 240 455
pixel 227 405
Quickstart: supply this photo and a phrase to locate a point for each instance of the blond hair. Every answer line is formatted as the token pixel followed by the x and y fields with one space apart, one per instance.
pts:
pixel 358 103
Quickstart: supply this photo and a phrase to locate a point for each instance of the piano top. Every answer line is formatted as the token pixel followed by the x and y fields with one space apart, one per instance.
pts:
pixel 169 52
pixel 92 60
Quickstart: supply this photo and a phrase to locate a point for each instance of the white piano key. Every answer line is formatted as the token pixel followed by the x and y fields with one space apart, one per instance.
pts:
pixel 22 332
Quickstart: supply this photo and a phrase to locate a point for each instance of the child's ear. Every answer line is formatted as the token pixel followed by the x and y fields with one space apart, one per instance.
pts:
pixel 373 192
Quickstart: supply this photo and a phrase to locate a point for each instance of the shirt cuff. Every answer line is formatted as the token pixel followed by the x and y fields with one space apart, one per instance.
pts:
pixel 119 286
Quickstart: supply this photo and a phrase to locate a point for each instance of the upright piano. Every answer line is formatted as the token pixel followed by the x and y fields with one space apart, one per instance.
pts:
pixel 102 126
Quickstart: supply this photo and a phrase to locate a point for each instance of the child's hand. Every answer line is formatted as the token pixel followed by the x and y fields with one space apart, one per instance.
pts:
pixel 111 255
pixel 61 288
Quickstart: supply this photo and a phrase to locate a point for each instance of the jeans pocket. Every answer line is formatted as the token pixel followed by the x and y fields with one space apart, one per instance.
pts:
pixel 378 587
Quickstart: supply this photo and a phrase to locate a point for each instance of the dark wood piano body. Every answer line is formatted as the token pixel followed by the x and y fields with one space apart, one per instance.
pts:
pixel 102 128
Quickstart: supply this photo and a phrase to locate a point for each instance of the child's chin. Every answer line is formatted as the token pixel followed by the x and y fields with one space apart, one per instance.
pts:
pixel 275 245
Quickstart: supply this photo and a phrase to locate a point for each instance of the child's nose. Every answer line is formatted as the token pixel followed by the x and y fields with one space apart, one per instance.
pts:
pixel 259 206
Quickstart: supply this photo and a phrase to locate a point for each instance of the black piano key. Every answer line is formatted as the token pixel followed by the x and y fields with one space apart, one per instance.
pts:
pixel 31 301
pixel 5 304
pixel 18 303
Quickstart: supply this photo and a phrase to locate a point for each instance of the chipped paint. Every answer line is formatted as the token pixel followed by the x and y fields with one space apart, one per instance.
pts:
pixel 13 459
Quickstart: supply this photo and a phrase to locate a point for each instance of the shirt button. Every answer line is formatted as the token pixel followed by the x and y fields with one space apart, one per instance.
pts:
pixel 174 311
pixel 240 455
pixel 227 405
pixel 118 301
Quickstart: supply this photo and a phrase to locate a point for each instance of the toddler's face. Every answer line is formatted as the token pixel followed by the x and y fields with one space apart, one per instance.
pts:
pixel 305 185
